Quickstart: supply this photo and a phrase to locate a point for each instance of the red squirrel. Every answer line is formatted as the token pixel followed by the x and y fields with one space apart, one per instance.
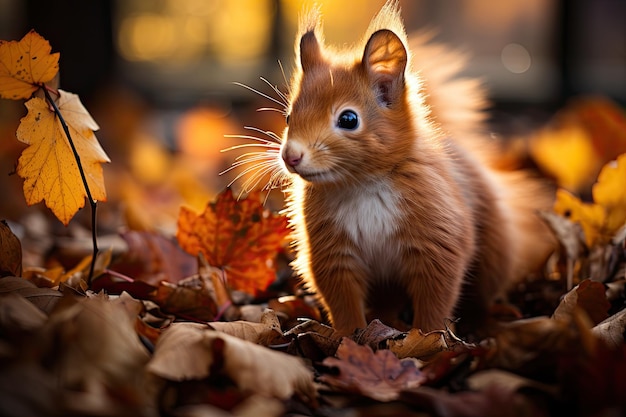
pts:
pixel 390 209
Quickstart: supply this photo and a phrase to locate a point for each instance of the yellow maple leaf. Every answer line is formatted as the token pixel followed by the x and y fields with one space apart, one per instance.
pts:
pixel 26 64
pixel 48 165
pixel 610 192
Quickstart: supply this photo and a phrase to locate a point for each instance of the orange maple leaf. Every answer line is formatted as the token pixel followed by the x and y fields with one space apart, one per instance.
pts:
pixel 26 64
pixel 239 236
pixel 48 165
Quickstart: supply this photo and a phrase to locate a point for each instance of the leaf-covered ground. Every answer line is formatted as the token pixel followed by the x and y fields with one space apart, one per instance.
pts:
pixel 163 332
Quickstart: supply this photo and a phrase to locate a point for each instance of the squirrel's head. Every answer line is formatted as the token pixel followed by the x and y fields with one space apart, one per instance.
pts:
pixel 349 114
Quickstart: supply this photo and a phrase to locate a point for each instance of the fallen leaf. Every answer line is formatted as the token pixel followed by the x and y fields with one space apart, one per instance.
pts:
pixel 265 333
pixel 590 296
pixel 292 308
pixel 566 153
pixel 375 335
pixel 569 234
pixel 419 345
pixel 26 64
pixel 188 351
pixel 313 340
pixel 590 216
pixel 239 236
pixel 530 346
pixel 380 376
pixel 610 192
pixel 48 165
pixel 10 252
pixel 17 314
pixel 89 356
pixel 493 401
pixel 43 298
pixel 612 330
pixel 192 299
pixel 153 258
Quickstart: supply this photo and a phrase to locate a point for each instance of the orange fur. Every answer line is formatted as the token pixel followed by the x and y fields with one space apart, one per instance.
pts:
pixel 394 212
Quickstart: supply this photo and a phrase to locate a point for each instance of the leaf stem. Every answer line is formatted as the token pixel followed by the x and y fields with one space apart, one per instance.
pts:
pixel 92 203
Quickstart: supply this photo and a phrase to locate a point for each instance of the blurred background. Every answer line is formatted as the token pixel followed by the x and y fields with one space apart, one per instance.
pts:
pixel 157 75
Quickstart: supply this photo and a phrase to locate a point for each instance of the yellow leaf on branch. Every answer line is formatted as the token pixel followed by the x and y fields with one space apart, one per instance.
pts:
pixel 26 64
pixel 48 165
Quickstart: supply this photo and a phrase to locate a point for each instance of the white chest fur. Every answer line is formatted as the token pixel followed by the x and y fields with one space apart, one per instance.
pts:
pixel 368 214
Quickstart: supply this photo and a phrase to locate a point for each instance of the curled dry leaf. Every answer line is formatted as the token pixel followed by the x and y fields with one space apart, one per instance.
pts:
pixel 612 330
pixel 265 333
pixel 375 334
pixel 314 340
pixel 419 345
pixel 380 376
pixel 43 298
pixel 530 346
pixel 96 344
pixel 17 314
pixel 192 298
pixel 193 351
pixel 590 296
pixel 10 252
pixel 26 64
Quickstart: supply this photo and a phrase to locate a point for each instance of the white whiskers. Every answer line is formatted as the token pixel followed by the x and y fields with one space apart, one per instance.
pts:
pixel 257 165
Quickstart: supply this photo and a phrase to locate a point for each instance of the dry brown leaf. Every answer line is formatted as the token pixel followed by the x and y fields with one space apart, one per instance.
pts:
pixel 192 351
pixel 265 333
pixel 153 258
pixel 95 344
pixel 314 340
pixel 419 345
pixel 590 296
pixel 17 314
pixel 375 334
pixel 293 308
pixel 530 345
pixel 192 298
pixel 612 330
pixel 10 252
pixel 380 376
pixel 43 298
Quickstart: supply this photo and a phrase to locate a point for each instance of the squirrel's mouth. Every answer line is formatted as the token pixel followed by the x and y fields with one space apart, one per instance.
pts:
pixel 314 176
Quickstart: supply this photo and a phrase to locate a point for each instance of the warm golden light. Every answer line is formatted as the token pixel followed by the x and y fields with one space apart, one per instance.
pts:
pixel 146 37
pixel 179 32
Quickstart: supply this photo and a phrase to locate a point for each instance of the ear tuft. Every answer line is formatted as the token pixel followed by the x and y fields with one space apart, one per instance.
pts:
pixel 310 53
pixel 385 60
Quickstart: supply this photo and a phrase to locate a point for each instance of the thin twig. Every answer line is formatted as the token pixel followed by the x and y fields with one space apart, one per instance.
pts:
pixel 92 203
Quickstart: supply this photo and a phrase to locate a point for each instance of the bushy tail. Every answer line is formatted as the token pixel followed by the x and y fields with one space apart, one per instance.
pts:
pixel 457 107
pixel 457 104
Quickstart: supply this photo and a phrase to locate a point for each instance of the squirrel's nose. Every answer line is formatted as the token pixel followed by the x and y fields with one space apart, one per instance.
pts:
pixel 292 159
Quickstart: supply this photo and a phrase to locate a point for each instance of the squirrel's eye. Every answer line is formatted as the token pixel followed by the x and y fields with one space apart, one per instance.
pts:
pixel 348 120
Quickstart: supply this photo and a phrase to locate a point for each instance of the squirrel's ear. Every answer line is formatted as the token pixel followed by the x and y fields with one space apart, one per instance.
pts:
pixel 385 60
pixel 310 53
